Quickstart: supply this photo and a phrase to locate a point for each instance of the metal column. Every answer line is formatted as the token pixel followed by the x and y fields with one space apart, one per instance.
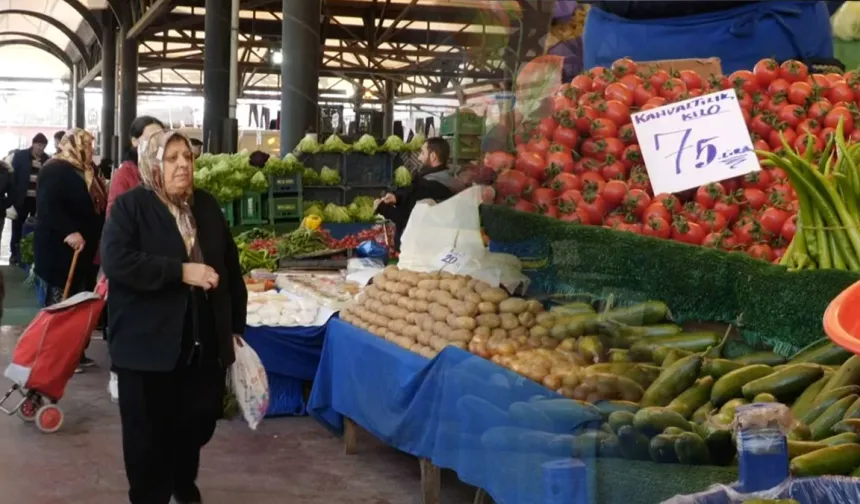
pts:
pixel 388 109
pixel 300 52
pixel 79 98
pixel 216 74
pixel 108 85
pixel 128 88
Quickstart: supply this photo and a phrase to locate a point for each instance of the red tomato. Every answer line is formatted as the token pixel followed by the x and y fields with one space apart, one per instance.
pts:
pixel 728 208
pixel 627 134
pixel 804 140
pixel 531 163
pixel 793 71
pixel 569 199
pixel 657 101
pixel 820 83
pixel 637 201
pixel 499 161
pixel 603 128
pixel 623 66
pixel 841 93
pixel 582 83
pixel 855 135
pixel 540 145
pixel 524 206
pixel 613 170
pixel 632 81
pixel 755 198
pixel 789 228
pixel 594 148
pixel 791 115
pixel 761 251
pixel 713 240
pixel 560 104
pixel 765 72
pixel 632 155
pixel 565 136
pixel 630 227
pixel 600 82
pixel 712 221
pixel 691 79
pixel 511 183
pixel 747 232
pixel 586 164
pixel 656 210
pixel 550 211
pixel 831 120
pixel 643 93
pixel 639 179
pixel 593 98
pixel 772 220
pixel 708 194
pixel 672 204
pixel 761 124
pixel 826 133
pixel 758 180
pixel 781 193
pixel 810 126
pixel 592 181
pixel 799 93
pixel 657 227
pixel 693 210
pixel 574 215
pixel 618 92
pixel 617 112
pixel 594 206
pixel 761 145
pixel 744 79
pixel 778 87
pixel 614 192
pixel 673 89
pixel 687 232
pixel 819 109
pixel 658 78
pixel 775 141
pixel 546 126
pixel 777 175
pixel 542 198
pixel 558 162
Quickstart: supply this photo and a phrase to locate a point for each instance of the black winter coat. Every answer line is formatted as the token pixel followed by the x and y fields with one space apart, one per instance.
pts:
pixel 64 206
pixel 142 257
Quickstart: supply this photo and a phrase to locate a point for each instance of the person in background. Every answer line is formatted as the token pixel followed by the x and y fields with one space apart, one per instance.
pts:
pixel 433 181
pixel 196 147
pixel 127 176
pixel 176 302
pixel 58 136
pixel 71 201
pixel 26 164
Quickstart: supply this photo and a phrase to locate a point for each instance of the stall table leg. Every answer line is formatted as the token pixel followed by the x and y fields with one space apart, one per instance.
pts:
pixel 350 432
pixel 431 482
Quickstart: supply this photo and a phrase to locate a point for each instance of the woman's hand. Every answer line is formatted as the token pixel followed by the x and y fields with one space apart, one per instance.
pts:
pixel 75 240
pixel 199 275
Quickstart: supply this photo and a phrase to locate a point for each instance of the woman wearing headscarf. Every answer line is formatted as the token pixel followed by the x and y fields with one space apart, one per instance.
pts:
pixel 176 301
pixel 70 204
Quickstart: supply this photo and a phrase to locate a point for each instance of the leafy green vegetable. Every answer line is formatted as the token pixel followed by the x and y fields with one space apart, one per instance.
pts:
pixel 26 250
pixel 274 167
pixel 311 203
pixel 310 177
pixel 329 177
pixel 336 214
pixel 225 176
pixel 335 144
pixel 416 143
pixel 308 145
pixel 314 210
pixel 363 201
pixel 259 183
pixel 402 177
pixel 393 144
pixel 366 145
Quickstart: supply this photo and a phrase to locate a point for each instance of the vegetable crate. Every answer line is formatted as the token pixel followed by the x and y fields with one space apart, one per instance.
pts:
pixel 229 211
pixel 462 124
pixel 251 209
pixel 285 208
pixel 362 170
pixel 285 184
pixel 465 147
pixel 371 191
pixel 317 161
pixel 331 194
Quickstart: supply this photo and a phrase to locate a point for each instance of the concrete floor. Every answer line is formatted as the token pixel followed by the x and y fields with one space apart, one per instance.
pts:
pixel 287 461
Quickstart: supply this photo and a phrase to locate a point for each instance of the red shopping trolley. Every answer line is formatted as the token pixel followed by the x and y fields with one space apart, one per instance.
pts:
pixel 47 354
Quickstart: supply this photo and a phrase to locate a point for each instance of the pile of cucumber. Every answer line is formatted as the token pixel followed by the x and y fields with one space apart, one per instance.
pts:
pixel 691 393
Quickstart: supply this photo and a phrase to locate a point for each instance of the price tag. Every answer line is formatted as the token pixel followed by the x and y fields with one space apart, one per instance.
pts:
pixel 695 142
pixel 452 261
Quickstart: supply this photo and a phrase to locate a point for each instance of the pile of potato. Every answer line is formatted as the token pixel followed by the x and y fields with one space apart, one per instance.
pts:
pixel 425 312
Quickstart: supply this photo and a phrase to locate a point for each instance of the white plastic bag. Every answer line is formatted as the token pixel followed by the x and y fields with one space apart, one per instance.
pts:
pixel 250 383
pixel 11 214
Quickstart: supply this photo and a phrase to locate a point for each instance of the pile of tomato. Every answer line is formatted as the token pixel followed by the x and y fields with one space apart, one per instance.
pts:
pixel 352 241
pixel 577 158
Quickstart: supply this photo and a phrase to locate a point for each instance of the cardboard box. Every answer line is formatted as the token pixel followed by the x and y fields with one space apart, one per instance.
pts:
pixel 704 67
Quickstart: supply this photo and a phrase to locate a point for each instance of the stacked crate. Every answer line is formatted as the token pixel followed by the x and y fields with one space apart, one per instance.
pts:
pixel 284 201
pixel 325 193
pixel 366 175
pixel 464 132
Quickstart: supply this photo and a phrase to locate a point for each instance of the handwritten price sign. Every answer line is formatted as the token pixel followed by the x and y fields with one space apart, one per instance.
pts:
pixel 694 142
pixel 452 261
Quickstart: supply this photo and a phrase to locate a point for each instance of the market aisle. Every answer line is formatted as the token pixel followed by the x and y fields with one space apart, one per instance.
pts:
pixel 287 461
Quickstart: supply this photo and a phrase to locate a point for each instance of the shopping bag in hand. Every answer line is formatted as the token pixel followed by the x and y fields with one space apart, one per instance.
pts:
pixel 250 384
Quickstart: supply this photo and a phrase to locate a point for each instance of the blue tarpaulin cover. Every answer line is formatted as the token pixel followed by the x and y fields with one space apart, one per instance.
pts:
pixel 493 427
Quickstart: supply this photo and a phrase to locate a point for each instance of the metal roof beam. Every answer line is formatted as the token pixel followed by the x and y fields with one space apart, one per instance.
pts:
pixel 154 12
pixel 39 43
pixel 72 36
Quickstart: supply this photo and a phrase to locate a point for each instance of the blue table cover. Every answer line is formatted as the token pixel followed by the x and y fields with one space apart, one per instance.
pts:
pixel 288 351
pixel 493 427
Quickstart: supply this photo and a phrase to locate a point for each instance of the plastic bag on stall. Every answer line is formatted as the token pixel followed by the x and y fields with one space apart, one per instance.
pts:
pixel 453 229
pixel 250 383
pixel 372 249
pixel 846 22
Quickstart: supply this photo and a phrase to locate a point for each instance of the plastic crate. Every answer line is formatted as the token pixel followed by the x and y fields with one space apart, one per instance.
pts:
pixel 285 184
pixel 372 191
pixel 251 209
pixel 465 147
pixel 317 161
pixel 327 194
pixel 285 208
pixel 362 170
pixel 229 211
pixel 462 124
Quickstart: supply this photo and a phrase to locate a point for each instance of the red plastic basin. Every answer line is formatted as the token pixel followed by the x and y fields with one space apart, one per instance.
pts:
pixel 842 319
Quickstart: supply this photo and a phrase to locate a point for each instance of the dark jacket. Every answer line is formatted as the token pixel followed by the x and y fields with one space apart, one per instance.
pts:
pixel 655 10
pixel 6 186
pixel 142 257
pixel 63 207
pixel 22 163
pixel 434 183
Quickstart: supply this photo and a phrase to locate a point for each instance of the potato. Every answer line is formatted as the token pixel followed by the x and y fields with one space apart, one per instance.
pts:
pixel 463 308
pixel 421 306
pixel 467 323
pixel 378 279
pixel 499 334
pixel 423 337
pixel 402 302
pixel 461 335
pixel 462 293
pixel 416 347
pixel 441 329
pixel 456 285
pixel 482 333
pixel 440 296
pixel 458 344
pixel 509 321
pixel 534 306
pixel 409 277
pixel 527 319
pixel 486 307
pixel 511 305
pixel 445 284
pixel 545 319
pixel 429 353
pixel 538 331
pixel 422 294
pixel 428 285
pixel 445 275
pixel 490 320
pixel 451 320
pixel 481 286
pixel 559 332
pixel 397 326
pixel 427 324
pixel 494 295
pixel 412 291
pixel 385 298
pixel 471 283
pixel 472 297
pixel 371 291
pixel 518 333
pixel 438 343
pixel 391 271
pixel 438 312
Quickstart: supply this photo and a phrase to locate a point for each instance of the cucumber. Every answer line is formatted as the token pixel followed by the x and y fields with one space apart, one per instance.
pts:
pixel 662 449
pixel 822 352
pixel 619 419
pixel 825 400
pixel 587 444
pixel 650 312
pixel 609 447
pixel 605 427
pixel 820 428
pixel 591 348
pixel 841 438
pixel 632 444
pixel 575 308
pixel 701 414
pixel 764 397
pixel 798 448
pixel 693 398
pixel 624 336
pixel 673 355
pixel 672 381
pixel 786 384
pixel 716 368
pixel 674 431
pixel 643 374
pixel 606 408
pixel 691 449
pixel 728 409
pixel 806 400
pixel 731 384
pixel 654 420
pixel 850 425
pixel 643 350
pixel 769 358
pixel 721 446
pixel 848 374
pixel 833 460
pixel 618 355
pixel 853 411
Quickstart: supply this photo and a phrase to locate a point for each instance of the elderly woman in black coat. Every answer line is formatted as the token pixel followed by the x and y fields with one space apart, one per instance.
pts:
pixel 177 299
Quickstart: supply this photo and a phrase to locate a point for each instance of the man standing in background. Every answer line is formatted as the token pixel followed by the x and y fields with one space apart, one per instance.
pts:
pixel 26 164
pixel 57 137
